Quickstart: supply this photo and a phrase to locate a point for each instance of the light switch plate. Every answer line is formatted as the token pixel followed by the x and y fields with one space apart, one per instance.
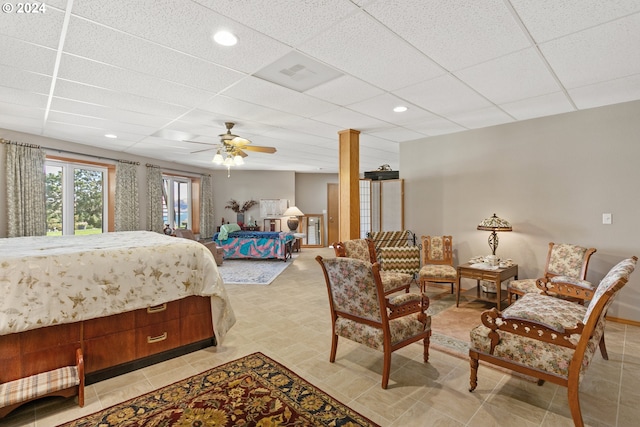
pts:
pixel 606 218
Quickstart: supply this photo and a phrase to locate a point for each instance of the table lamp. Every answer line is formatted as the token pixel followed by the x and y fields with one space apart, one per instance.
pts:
pixel 293 213
pixel 494 224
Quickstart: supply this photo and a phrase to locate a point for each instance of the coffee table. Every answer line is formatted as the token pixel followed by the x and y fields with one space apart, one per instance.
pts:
pixel 497 276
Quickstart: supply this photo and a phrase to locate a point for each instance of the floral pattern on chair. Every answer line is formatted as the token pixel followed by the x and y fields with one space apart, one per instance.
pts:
pixel 437 261
pixel 364 250
pixel 360 311
pixel 546 337
pixel 563 259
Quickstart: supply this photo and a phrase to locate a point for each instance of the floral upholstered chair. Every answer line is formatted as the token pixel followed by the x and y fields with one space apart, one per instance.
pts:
pixel 361 312
pixel 549 338
pixel 437 261
pixel 565 262
pixel 364 249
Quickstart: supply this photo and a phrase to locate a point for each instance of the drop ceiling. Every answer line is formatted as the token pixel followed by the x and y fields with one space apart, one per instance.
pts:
pixel 149 72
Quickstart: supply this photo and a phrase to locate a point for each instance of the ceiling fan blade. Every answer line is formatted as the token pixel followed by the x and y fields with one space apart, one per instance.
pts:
pixel 196 142
pixel 238 140
pixel 260 149
pixel 203 150
pixel 240 153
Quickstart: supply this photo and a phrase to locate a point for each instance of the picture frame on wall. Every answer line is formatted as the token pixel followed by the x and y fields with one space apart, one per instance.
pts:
pixel 273 208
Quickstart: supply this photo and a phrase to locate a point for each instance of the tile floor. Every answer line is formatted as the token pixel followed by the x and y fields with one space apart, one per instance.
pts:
pixel 289 322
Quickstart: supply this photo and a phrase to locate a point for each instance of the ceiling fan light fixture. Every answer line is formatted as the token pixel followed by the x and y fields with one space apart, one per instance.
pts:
pixel 238 160
pixel 217 159
pixel 225 38
pixel 228 162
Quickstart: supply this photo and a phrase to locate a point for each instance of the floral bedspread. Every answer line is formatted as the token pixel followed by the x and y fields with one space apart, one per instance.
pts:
pixel 51 280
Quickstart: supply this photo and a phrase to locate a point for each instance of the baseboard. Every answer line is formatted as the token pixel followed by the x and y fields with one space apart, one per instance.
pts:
pixel 624 321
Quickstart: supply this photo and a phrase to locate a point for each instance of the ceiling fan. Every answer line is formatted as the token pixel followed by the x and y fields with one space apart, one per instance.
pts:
pixel 231 150
pixel 234 145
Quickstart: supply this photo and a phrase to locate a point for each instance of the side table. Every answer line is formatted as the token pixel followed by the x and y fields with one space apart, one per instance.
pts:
pixel 497 276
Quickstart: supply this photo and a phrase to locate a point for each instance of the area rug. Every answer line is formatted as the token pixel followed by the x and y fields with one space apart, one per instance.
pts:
pixel 450 325
pixel 251 391
pixel 252 271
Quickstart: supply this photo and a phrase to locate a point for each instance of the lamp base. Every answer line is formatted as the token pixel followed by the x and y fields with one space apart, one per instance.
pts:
pixel 292 223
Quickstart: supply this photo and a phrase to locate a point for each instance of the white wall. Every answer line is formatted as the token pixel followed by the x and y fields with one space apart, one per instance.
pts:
pixel 552 178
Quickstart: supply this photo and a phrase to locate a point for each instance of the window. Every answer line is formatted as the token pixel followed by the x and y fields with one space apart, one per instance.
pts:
pixel 76 198
pixel 176 201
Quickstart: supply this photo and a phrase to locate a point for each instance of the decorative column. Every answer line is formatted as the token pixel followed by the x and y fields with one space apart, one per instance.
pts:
pixel 349 177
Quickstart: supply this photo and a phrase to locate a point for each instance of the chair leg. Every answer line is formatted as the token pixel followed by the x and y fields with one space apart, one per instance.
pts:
pixel 334 348
pixel 603 348
pixel 473 379
pixel 386 367
pixel 425 352
pixel 574 403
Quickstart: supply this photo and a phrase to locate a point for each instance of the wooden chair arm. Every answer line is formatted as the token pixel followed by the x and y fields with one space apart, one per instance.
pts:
pixel 405 304
pixel 567 287
pixel 494 320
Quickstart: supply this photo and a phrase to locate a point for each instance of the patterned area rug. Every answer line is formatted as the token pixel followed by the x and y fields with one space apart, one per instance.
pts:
pixel 252 271
pixel 251 391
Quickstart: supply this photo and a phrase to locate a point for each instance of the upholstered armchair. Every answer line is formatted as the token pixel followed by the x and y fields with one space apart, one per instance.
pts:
pixel 565 260
pixel 437 261
pixel 218 253
pixel 396 251
pixel 364 250
pixel 546 337
pixel 361 312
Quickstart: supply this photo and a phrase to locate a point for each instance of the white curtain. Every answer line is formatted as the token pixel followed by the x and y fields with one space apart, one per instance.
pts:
pixel 207 225
pixel 127 209
pixel 154 197
pixel 26 183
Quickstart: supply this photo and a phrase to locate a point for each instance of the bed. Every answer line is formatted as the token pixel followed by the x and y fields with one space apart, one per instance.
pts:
pixel 256 244
pixel 127 299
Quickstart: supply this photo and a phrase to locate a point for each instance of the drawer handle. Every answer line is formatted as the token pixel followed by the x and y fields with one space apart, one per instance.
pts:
pixel 151 340
pixel 157 308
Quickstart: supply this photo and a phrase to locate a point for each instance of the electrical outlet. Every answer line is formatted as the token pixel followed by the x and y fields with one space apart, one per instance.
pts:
pixel 606 218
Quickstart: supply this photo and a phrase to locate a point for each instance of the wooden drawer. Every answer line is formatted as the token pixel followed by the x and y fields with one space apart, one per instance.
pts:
pixel 109 350
pixel 10 359
pixel 46 349
pixel 157 314
pixel 196 327
pixel 157 338
pixel 194 305
pixel 102 326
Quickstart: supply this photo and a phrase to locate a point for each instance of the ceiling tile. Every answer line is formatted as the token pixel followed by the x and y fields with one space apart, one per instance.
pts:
pixel 25 80
pixel 443 95
pixel 435 126
pixel 27 56
pixel 187 27
pixel 345 90
pixel 365 49
pixel 511 77
pixel 596 54
pixel 550 19
pixel 453 33
pixel 119 80
pixel 113 47
pixel 18 97
pixel 381 107
pixel 42 29
pixel 611 92
pixel 310 17
pixel 539 106
pixel 270 95
pixel 397 134
pixel 484 117
pixel 348 119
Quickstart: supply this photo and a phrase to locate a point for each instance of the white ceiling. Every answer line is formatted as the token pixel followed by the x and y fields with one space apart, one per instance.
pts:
pixel 85 68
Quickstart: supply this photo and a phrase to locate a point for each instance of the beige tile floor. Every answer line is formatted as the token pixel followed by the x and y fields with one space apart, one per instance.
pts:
pixel 289 322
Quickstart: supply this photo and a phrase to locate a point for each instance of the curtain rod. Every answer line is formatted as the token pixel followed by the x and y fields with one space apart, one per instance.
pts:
pixel 59 150
pixel 151 165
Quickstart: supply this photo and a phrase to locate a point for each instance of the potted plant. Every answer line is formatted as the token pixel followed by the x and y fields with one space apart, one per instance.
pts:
pixel 240 209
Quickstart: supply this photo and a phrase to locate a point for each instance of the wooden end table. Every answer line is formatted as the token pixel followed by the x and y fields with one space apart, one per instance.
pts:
pixel 497 276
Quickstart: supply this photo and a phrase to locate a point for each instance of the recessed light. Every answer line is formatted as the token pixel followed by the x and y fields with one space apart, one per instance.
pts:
pixel 225 38
pixel 400 109
pixel 110 135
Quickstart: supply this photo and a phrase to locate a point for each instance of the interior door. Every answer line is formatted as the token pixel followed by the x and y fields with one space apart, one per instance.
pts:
pixel 333 210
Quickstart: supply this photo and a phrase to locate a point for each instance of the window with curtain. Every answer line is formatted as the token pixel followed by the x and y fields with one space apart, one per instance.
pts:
pixel 76 198
pixel 127 205
pixel 177 201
